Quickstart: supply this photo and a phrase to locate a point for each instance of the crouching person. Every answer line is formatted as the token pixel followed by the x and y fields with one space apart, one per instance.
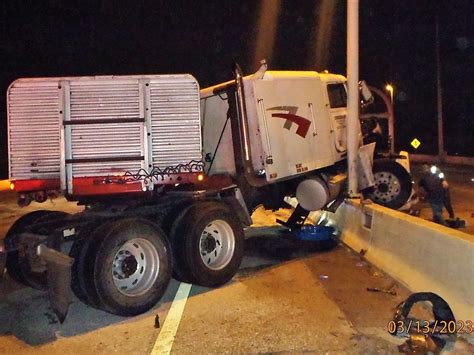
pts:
pixel 434 188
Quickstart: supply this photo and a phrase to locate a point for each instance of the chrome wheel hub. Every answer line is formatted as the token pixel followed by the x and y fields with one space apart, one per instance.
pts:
pixel 217 244
pixel 387 186
pixel 136 267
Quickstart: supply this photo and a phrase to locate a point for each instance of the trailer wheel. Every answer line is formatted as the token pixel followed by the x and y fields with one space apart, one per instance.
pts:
pixel 132 267
pixel 180 271
pixel 208 244
pixel 17 263
pixel 83 251
pixel 393 184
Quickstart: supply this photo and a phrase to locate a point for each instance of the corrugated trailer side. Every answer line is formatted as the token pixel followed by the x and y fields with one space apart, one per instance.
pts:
pixel 34 147
pixel 103 135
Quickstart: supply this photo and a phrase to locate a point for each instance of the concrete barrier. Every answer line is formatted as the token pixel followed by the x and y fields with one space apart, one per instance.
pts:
pixel 420 254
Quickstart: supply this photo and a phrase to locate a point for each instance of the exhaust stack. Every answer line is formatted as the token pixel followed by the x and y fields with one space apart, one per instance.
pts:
pixel 243 120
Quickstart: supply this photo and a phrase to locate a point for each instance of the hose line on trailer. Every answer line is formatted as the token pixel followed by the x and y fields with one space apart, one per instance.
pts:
pixel 157 173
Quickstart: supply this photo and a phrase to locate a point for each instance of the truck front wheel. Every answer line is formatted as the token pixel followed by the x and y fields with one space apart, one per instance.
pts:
pixel 393 184
pixel 132 267
pixel 208 244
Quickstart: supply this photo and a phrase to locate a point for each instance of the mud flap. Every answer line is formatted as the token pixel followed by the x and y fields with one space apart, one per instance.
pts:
pixel 59 279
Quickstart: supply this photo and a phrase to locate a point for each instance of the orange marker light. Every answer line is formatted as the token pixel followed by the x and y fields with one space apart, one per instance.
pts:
pixel 201 177
pixel 12 186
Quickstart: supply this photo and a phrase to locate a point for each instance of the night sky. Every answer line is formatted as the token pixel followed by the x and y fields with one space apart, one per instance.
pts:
pixel 397 46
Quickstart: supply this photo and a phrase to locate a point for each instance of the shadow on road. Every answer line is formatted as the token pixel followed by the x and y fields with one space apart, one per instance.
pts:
pixel 25 312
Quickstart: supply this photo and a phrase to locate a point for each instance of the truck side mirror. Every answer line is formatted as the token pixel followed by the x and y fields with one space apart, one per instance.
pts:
pixel 366 96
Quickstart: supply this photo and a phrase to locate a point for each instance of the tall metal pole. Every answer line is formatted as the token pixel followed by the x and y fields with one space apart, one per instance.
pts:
pixel 267 29
pixel 353 124
pixel 441 152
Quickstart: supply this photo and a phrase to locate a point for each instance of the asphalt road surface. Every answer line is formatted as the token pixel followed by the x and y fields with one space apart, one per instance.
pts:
pixel 285 299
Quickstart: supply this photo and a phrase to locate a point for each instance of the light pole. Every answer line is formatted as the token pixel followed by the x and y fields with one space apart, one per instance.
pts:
pixel 353 101
pixel 391 119
pixel 389 88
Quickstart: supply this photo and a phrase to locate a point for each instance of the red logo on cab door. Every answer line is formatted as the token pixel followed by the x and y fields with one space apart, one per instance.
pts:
pixel 291 117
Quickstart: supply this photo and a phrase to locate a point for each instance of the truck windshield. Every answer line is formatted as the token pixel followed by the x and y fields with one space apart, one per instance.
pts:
pixel 337 95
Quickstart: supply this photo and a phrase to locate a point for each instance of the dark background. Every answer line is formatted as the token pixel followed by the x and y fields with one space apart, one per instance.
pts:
pixel 397 46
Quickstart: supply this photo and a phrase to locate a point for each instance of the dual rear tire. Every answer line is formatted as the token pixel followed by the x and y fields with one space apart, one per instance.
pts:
pixel 122 267
pixel 208 244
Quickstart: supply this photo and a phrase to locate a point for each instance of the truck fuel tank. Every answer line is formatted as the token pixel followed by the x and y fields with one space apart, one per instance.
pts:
pixel 315 192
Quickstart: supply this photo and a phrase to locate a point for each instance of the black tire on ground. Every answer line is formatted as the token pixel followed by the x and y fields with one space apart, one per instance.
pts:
pixel 84 251
pixel 132 267
pixel 393 184
pixel 208 244
pixel 171 215
pixel 18 266
pixel 180 271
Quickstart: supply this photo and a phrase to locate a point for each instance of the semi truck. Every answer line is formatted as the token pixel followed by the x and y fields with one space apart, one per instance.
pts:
pixel 168 176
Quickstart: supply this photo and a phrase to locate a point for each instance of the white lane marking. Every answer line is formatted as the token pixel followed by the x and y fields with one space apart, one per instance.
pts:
pixel 165 339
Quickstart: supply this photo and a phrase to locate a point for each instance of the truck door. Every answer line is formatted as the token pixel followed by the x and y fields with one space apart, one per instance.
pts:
pixel 337 97
pixel 294 124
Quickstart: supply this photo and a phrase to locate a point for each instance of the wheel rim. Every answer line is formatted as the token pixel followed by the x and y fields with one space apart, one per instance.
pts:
pixel 387 187
pixel 136 267
pixel 217 244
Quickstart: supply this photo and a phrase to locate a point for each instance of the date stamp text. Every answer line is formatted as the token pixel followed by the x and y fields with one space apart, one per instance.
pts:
pixel 434 327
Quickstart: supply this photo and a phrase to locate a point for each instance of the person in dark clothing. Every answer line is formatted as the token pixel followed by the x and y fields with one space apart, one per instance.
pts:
pixel 435 188
pixel 447 203
pixel 447 196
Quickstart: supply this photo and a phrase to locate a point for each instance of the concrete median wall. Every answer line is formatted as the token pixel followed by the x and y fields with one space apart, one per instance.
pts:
pixel 420 254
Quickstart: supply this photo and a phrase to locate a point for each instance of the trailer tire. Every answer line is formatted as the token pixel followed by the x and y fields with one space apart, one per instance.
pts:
pixel 132 267
pixel 173 213
pixel 393 184
pixel 180 270
pixel 83 251
pixel 208 244
pixel 18 266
